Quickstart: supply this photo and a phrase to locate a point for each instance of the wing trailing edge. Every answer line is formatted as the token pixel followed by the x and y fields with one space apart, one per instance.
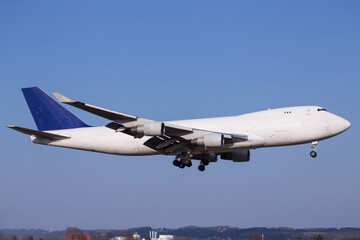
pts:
pixel 102 112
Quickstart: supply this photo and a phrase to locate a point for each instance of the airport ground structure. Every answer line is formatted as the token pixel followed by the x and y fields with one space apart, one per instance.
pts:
pixel 185 233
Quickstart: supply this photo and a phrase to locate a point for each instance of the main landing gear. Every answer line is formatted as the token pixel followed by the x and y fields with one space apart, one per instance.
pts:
pixel 313 146
pixel 181 164
pixel 202 165
pixel 184 160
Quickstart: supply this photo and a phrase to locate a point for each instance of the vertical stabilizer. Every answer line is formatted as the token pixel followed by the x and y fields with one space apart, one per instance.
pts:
pixel 48 114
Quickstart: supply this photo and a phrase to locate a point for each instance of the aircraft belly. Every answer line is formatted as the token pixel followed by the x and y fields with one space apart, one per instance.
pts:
pixel 134 148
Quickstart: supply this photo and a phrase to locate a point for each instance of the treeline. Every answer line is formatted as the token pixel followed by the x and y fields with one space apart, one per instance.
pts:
pixel 74 233
pixel 189 233
pixel 28 238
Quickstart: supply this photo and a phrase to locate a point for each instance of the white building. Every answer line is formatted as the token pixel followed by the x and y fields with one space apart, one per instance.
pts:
pixel 136 236
pixel 166 237
pixel 118 238
pixel 153 236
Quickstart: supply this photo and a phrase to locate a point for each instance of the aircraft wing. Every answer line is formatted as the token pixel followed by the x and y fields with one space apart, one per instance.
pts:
pixel 165 137
pixel 102 112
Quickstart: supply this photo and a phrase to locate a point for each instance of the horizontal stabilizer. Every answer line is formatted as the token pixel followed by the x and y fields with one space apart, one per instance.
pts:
pixel 39 134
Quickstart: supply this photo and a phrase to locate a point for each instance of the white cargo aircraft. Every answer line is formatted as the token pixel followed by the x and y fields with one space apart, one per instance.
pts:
pixel 231 138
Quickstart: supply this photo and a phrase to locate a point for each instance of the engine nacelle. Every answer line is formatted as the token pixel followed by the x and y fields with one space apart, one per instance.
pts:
pixel 237 156
pixel 211 140
pixel 211 157
pixel 150 129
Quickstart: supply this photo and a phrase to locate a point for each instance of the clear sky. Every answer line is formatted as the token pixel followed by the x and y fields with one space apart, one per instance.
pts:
pixel 169 60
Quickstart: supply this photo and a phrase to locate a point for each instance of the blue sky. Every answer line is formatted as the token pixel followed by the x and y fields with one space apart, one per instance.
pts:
pixel 169 60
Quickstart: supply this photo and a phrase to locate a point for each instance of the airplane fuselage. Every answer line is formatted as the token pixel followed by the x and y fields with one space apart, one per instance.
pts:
pixel 269 128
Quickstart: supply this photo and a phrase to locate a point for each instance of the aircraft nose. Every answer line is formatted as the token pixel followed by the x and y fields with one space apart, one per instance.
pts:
pixel 347 124
pixel 338 124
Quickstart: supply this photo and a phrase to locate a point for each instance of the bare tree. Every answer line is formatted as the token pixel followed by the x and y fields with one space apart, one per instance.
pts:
pixel 109 235
pixel 94 235
pixel 74 233
pixel 184 238
pixel 128 236
pixel 319 237
pixel 256 236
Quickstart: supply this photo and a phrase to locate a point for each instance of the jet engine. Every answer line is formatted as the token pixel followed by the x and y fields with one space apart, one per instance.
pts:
pixel 150 129
pixel 211 140
pixel 211 157
pixel 237 156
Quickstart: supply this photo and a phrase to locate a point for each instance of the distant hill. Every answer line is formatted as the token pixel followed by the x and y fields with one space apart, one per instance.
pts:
pixel 219 232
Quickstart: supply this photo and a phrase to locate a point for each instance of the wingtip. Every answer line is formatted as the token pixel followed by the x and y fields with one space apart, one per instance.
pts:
pixel 62 98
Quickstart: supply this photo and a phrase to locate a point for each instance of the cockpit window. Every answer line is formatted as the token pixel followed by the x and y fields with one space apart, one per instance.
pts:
pixel 321 109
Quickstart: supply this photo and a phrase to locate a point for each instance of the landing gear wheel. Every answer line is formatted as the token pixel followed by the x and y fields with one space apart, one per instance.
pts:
pixel 201 168
pixel 313 147
pixel 189 164
pixel 176 163
pixel 205 162
pixel 313 154
pixel 181 165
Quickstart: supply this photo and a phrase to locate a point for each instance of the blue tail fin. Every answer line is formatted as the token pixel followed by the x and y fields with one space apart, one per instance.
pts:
pixel 48 114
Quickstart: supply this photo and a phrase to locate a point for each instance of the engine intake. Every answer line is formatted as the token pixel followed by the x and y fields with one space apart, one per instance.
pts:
pixel 237 156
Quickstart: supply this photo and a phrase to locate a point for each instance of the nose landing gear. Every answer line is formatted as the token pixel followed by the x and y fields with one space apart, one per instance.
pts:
pixel 313 146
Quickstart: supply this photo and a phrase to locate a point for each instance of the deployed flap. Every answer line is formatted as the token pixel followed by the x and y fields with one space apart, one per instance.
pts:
pixel 102 112
pixel 39 134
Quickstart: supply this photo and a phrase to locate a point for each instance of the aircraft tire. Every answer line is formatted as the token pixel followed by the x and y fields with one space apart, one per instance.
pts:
pixel 205 162
pixel 201 168
pixel 313 154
